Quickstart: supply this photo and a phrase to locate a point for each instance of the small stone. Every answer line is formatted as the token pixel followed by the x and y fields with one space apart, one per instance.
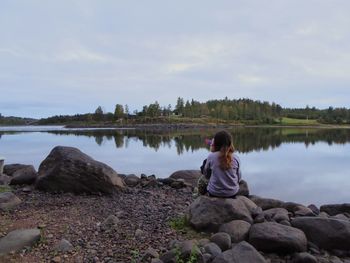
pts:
pixel 149 254
pixel 41 226
pixel 27 189
pixel 64 246
pixel 56 259
pixel 138 233
pixel 111 222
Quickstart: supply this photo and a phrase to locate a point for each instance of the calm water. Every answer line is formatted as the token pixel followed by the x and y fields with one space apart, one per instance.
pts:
pixel 301 165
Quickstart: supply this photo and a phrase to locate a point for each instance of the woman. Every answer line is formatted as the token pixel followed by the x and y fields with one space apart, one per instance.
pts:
pixel 222 167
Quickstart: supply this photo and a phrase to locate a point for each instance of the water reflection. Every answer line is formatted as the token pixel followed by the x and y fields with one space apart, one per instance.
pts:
pixel 293 164
pixel 245 139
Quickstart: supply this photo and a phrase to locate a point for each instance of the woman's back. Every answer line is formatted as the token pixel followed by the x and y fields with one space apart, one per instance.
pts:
pixel 223 182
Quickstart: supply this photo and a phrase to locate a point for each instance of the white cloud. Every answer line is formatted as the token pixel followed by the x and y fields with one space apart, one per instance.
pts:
pixel 254 80
pixel 79 55
pixel 115 51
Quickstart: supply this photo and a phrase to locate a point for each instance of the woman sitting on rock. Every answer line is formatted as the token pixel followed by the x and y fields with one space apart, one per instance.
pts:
pixel 222 167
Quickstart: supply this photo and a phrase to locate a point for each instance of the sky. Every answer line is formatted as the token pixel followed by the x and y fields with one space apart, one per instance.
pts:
pixel 70 56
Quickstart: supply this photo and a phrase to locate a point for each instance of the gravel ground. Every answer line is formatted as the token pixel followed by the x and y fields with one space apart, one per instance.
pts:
pixel 143 222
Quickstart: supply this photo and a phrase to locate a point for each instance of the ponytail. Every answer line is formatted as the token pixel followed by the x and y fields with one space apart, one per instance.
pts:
pixel 223 144
pixel 225 157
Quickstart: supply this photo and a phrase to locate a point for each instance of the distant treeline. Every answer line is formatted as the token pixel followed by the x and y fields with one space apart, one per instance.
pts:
pixel 230 110
pixel 16 120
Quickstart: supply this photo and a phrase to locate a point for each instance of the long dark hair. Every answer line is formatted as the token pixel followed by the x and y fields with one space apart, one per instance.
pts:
pixel 223 144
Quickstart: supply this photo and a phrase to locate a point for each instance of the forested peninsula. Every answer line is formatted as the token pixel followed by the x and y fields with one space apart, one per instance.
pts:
pixel 225 111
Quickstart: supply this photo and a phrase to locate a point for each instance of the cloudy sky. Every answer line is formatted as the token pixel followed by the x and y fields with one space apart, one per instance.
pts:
pixel 69 56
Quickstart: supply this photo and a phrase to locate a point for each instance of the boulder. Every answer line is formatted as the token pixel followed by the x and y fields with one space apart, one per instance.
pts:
pixel 209 213
pixel 67 169
pixel 223 240
pixel 212 249
pixel 8 201
pixel 237 229
pixel 291 206
pixel 304 257
pixel 243 188
pixel 18 239
pixel 333 210
pixel 274 237
pixel 341 217
pixel 189 176
pixel 266 203
pixel 179 183
pixel 10 169
pixel 132 180
pixel 251 206
pixel 326 233
pixel 148 181
pixel 303 211
pixel 243 252
pixel 187 248
pixel 314 209
pixel 276 214
pixel 4 179
pixel 25 175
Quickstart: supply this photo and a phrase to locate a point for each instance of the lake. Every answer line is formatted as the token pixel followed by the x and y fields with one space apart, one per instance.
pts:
pixel 291 164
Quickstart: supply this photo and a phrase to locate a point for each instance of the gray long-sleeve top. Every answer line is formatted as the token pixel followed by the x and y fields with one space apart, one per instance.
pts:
pixel 223 183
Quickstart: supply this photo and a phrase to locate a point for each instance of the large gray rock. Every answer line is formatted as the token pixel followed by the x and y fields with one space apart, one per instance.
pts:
pixel 213 249
pixel 67 169
pixel 189 176
pixel 274 237
pixel 326 233
pixel 24 175
pixel 237 229
pixel 223 240
pixel 8 201
pixel 10 169
pixel 18 239
pixel 4 179
pixel 187 248
pixel 333 210
pixel 266 203
pixel 276 214
pixel 132 180
pixel 209 213
pixel 303 211
pixel 291 206
pixel 304 257
pixel 243 252
pixel 243 188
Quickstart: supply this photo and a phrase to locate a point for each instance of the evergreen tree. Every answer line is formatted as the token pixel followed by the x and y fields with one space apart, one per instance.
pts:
pixel 119 112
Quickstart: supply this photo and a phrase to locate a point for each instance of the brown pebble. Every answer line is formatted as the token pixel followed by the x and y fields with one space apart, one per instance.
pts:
pixel 56 259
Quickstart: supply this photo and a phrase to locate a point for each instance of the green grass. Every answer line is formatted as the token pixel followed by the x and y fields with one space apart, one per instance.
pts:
pixel 290 121
pixel 181 225
pixel 5 188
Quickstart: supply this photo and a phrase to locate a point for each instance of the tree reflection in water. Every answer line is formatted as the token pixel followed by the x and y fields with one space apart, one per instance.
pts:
pixel 245 139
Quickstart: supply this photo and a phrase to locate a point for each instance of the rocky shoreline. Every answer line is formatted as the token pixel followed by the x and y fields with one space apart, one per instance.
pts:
pixel 75 209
